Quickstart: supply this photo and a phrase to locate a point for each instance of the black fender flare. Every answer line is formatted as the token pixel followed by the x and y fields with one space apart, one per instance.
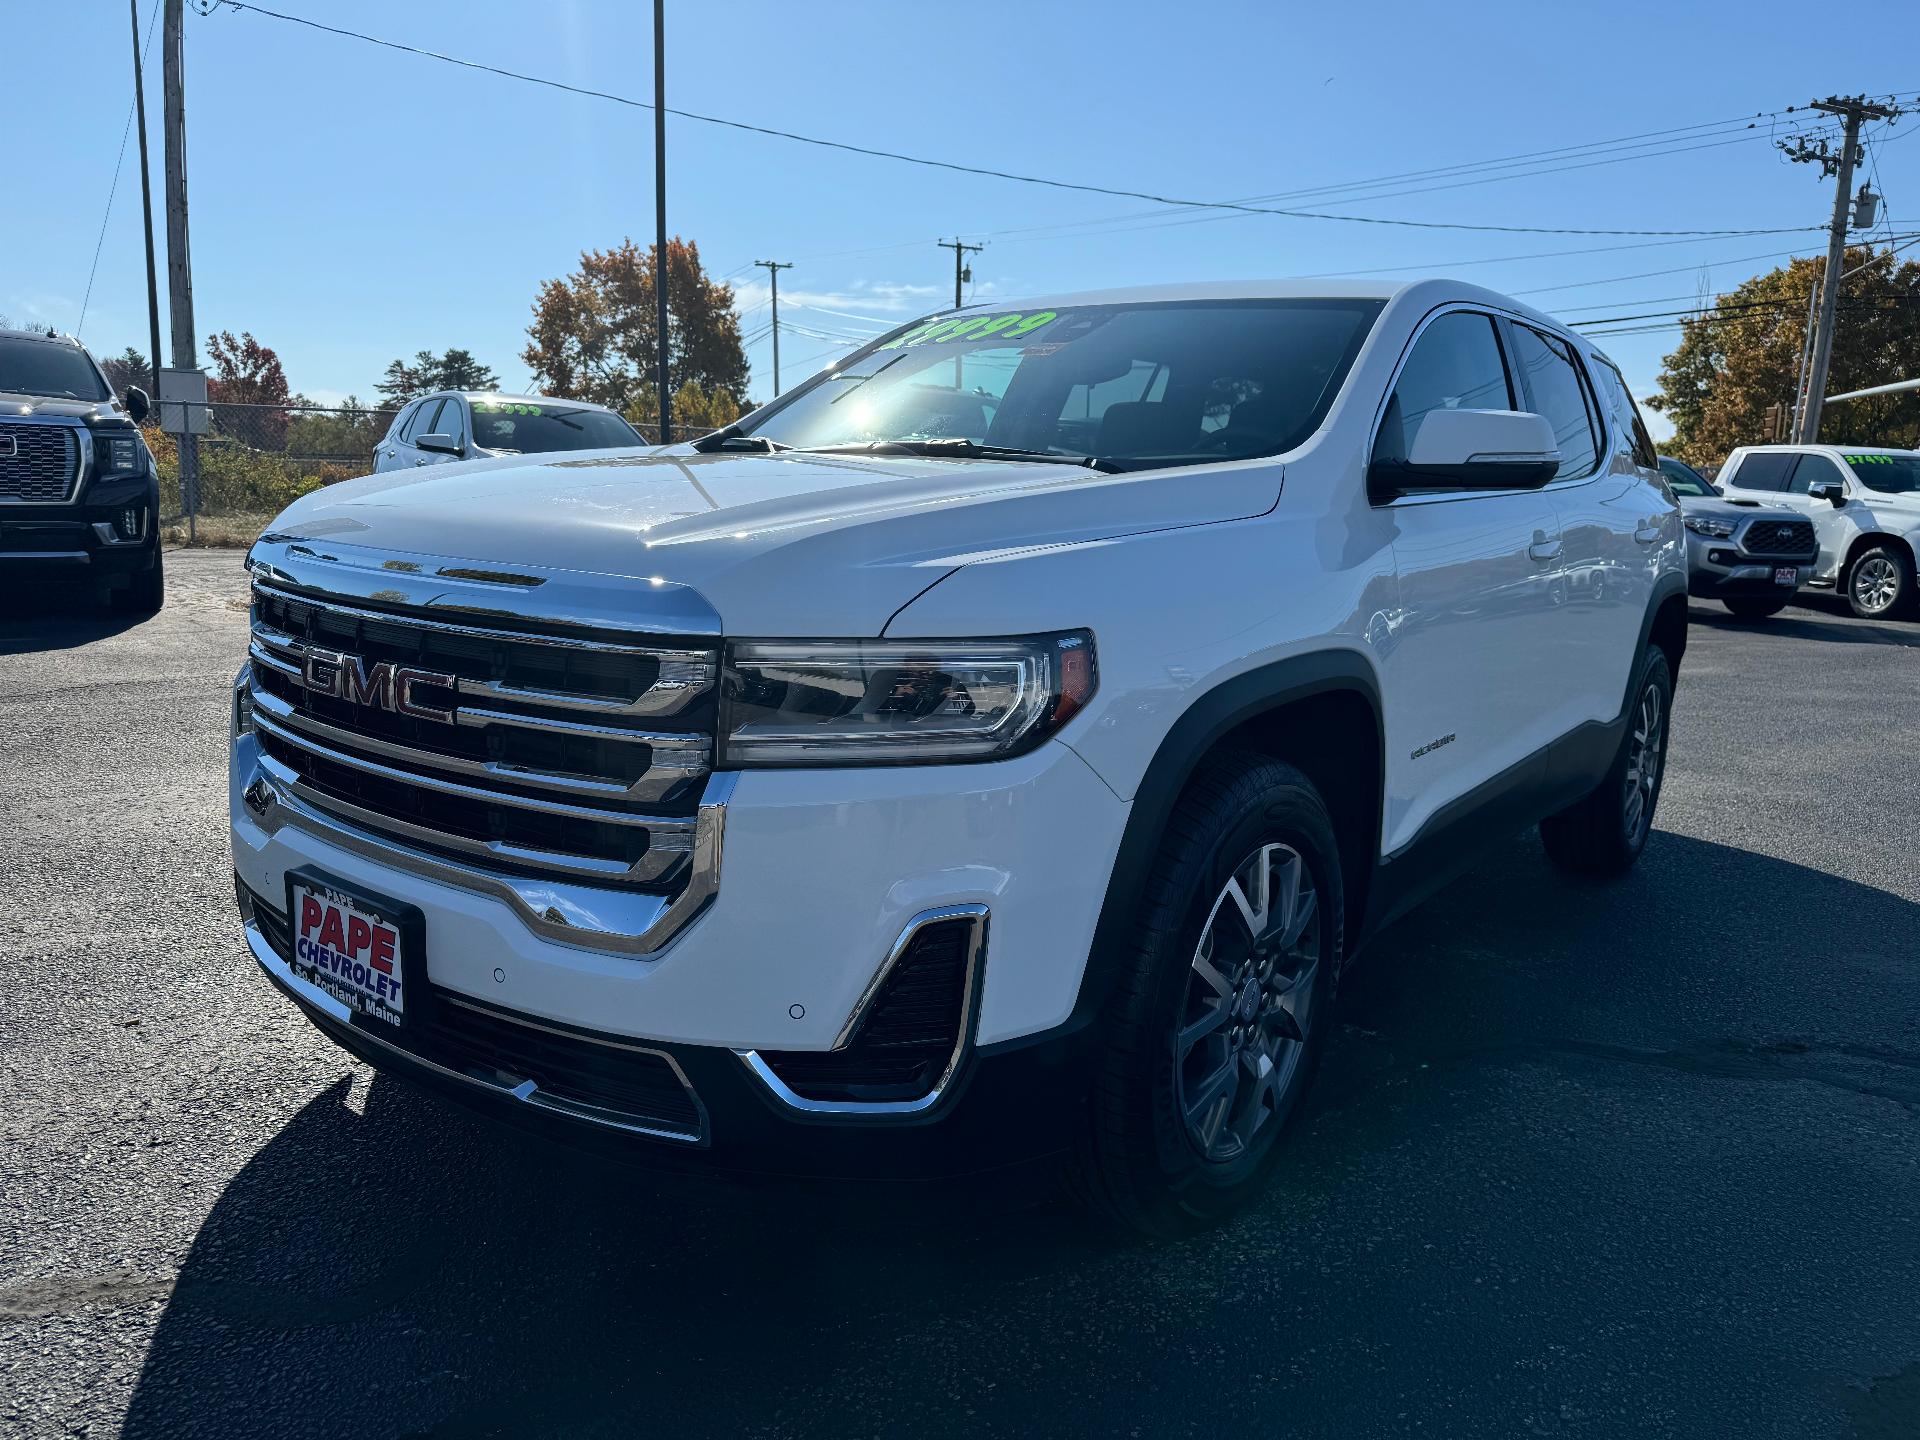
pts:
pixel 1214 715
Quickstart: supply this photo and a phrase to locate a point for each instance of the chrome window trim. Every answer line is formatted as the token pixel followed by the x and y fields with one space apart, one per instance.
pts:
pixel 311 997
pixel 564 911
pixel 82 465
pixel 969 1007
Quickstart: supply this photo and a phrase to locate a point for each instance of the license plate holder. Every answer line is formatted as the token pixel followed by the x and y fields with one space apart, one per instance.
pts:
pixel 366 950
pixel 1786 574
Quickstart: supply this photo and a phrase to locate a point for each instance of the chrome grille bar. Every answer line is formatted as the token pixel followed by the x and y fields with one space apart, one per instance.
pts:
pixel 547 776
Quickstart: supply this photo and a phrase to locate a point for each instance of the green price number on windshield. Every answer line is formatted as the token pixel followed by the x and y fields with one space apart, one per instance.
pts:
pixel 975 327
pixel 1870 460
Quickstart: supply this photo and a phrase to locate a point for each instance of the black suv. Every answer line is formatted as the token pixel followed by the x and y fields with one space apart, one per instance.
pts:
pixel 79 494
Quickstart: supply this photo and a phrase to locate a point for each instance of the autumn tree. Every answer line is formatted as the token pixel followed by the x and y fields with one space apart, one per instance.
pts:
pixel 245 372
pixel 1744 355
pixel 452 370
pixel 593 333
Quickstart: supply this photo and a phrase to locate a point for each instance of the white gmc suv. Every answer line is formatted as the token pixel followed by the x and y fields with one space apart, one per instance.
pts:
pixel 985 757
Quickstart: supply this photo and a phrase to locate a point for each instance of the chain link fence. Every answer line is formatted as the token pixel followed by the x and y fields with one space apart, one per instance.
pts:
pixel 255 460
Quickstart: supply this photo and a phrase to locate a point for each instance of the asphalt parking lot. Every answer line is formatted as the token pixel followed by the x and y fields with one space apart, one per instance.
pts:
pixel 1632 1158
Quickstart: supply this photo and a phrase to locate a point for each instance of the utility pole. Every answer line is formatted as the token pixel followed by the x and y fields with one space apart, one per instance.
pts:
pixel 179 266
pixel 1855 110
pixel 962 272
pixel 146 205
pixel 774 267
pixel 659 215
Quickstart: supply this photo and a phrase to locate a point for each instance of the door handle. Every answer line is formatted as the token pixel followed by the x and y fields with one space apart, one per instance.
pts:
pixel 1543 549
pixel 1649 532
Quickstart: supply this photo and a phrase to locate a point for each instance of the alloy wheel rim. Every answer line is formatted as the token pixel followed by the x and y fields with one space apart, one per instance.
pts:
pixel 1248 1004
pixel 1644 751
pixel 1875 582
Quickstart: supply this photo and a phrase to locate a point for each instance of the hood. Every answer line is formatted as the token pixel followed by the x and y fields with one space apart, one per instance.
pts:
pixel 1734 509
pixel 781 544
pixel 86 412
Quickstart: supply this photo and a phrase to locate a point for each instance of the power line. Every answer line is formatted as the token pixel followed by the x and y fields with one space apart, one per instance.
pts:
pixel 113 189
pixel 988 172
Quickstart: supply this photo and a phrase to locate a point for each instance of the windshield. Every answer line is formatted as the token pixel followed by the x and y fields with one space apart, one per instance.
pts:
pixel 527 428
pixel 1683 479
pixel 1889 474
pixel 1141 386
pixel 45 367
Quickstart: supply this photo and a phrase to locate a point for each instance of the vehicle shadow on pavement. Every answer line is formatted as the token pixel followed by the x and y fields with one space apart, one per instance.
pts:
pixel 405 1270
pixel 57 618
pixel 1823 620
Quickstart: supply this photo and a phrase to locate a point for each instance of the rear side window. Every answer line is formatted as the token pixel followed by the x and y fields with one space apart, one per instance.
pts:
pixel 1764 470
pixel 1557 392
pixel 452 420
pixel 1627 416
pixel 1455 365
pixel 398 430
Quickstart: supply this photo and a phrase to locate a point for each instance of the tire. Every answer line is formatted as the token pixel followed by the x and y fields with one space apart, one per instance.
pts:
pixel 1604 831
pixel 1170 1147
pixel 1754 609
pixel 1880 584
pixel 145 592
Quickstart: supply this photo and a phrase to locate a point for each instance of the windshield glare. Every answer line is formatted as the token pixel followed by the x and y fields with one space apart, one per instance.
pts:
pixel 1889 474
pixel 1146 385
pixel 40 367
pixel 525 428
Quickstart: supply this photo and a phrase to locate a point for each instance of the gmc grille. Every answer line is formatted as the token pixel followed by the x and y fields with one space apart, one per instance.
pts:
pixel 41 464
pixel 1778 537
pixel 561 754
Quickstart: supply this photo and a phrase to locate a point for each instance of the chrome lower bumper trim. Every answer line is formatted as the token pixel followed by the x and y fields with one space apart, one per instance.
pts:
pixel 969 1009
pixel 312 997
pixel 623 922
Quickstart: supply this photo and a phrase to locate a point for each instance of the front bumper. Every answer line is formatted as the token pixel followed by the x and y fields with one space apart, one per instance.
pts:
pixel 821 874
pixel 1719 570
pixel 87 540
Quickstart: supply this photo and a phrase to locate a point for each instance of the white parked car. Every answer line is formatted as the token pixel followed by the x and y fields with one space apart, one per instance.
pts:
pixel 989 754
pixel 1864 503
pixel 482 425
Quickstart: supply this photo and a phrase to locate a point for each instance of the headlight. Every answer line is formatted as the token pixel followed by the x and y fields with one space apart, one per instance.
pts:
pixel 120 454
pixel 1705 525
pixel 878 702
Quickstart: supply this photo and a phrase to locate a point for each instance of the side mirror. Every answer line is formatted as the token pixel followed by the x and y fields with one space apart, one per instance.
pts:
pixel 1471 450
pixel 138 405
pixel 1832 491
pixel 439 444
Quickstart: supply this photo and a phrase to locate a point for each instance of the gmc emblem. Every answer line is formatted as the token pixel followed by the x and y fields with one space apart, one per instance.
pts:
pixel 386 685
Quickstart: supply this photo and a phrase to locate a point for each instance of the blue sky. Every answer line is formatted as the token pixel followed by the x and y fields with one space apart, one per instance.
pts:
pixel 351 204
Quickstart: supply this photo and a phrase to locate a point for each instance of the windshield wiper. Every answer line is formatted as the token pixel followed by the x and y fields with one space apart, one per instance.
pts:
pixel 734 438
pixel 962 449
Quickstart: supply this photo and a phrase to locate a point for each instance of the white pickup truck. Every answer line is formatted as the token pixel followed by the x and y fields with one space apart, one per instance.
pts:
pixel 987 756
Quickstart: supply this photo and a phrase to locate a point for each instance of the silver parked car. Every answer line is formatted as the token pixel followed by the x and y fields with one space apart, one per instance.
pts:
pixel 1750 557
pixel 474 425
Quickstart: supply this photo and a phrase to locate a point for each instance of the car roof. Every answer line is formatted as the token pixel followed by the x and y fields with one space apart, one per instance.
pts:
pixel 1826 445
pixel 498 396
pixel 1423 294
pixel 43 337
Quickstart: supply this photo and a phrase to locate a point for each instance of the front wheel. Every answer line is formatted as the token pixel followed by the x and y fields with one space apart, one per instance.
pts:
pixel 1216 1023
pixel 1880 584
pixel 1604 832
pixel 1754 609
